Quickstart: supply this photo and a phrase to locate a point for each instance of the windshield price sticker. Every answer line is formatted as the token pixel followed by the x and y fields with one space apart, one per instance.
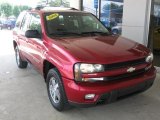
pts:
pixel 52 16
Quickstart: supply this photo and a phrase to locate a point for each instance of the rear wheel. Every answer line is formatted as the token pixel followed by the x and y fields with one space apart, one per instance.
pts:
pixel 56 91
pixel 19 61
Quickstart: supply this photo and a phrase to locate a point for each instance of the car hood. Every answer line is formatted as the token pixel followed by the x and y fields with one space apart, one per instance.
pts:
pixel 103 49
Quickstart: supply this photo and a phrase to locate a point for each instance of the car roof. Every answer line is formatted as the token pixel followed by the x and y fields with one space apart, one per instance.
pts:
pixel 56 9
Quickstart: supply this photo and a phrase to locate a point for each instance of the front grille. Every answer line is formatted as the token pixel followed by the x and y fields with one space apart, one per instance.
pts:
pixel 124 64
pixel 126 75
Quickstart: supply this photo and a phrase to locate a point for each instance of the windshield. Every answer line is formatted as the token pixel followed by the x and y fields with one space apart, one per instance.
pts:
pixel 69 24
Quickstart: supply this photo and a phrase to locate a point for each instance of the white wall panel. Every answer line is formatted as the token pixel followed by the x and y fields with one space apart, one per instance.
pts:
pixel 75 3
pixel 136 20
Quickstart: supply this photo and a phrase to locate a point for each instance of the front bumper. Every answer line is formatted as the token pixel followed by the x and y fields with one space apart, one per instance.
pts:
pixel 107 91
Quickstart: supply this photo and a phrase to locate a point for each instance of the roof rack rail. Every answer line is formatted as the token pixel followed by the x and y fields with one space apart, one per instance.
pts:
pixel 72 8
pixel 39 7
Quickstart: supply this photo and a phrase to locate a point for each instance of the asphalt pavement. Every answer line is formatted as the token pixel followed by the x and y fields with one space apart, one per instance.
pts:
pixel 23 96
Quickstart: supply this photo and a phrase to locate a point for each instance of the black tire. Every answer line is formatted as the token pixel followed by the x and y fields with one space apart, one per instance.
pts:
pixel 20 63
pixel 62 102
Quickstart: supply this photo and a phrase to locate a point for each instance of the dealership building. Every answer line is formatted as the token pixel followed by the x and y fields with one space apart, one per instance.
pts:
pixel 136 20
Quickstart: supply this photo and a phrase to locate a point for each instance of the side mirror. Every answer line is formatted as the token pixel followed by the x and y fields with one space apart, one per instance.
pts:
pixel 32 34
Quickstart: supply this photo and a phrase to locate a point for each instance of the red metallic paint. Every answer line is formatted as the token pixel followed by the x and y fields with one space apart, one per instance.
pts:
pixel 76 91
pixel 101 50
pixel 65 52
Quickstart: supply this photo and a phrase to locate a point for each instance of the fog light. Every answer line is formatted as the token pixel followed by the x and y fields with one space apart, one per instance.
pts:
pixel 89 96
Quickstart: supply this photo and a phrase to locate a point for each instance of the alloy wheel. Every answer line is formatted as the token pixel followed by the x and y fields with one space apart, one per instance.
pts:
pixel 54 90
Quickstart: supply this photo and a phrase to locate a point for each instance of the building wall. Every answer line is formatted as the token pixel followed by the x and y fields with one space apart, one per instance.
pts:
pixel 75 3
pixel 136 15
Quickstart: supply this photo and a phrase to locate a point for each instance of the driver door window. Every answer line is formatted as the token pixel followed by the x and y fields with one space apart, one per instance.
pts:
pixel 35 23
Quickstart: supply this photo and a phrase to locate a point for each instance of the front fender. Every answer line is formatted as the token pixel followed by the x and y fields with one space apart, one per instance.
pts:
pixel 61 62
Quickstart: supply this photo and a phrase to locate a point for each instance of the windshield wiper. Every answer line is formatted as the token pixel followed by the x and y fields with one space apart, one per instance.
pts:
pixel 64 33
pixel 61 34
pixel 95 32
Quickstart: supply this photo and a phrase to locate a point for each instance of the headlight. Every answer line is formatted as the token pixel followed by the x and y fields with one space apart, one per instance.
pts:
pixel 149 58
pixel 90 68
pixel 82 68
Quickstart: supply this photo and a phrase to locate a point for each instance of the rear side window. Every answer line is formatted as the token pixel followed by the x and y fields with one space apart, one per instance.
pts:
pixel 19 20
pixel 25 22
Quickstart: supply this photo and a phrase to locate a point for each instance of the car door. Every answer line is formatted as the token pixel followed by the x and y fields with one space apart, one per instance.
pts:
pixel 19 33
pixel 22 38
pixel 35 45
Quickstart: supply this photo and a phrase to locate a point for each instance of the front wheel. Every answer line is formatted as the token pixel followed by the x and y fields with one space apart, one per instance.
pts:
pixel 56 91
pixel 19 61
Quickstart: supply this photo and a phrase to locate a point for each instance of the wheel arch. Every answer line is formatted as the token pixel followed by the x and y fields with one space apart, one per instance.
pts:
pixel 47 65
pixel 14 44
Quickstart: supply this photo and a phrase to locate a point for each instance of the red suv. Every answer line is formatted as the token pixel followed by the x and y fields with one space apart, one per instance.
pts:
pixel 82 63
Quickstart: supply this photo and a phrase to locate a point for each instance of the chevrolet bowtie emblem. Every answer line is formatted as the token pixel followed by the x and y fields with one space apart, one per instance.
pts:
pixel 131 69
